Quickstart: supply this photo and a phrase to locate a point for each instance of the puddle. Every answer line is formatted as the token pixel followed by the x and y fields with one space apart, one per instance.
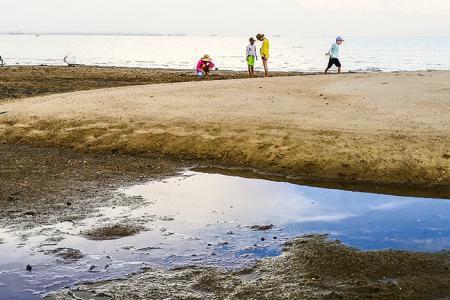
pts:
pixel 207 219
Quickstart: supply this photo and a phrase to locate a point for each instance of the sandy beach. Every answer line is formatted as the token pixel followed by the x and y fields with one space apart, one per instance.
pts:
pixel 380 128
pixel 66 149
pixel 146 153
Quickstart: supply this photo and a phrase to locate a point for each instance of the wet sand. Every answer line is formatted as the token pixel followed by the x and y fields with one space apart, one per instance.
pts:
pixel 23 81
pixel 311 268
pixel 62 155
pixel 45 186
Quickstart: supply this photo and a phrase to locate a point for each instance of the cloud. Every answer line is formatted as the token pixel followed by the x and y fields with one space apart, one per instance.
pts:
pixel 407 7
pixel 232 17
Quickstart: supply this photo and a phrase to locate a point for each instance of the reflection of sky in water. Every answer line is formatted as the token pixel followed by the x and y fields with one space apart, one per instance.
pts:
pixel 203 219
pixel 368 221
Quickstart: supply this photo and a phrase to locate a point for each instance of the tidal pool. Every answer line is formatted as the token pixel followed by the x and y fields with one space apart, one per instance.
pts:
pixel 209 219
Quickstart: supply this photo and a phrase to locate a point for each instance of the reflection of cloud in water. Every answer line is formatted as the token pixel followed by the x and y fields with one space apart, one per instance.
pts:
pixel 390 205
pixel 248 200
pixel 327 218
pixel 444 242
pixel 365 220
pixel 198 198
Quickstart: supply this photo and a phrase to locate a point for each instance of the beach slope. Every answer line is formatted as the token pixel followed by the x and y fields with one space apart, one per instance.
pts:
pixel 382 128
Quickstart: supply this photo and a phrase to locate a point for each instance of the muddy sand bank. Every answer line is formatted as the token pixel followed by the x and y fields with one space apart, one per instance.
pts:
pixel 46 186
pixel 377 128
pixel 311 268
pixel 27 81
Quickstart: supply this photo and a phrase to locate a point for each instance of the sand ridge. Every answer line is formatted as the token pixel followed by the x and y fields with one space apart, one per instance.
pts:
pixel 386 127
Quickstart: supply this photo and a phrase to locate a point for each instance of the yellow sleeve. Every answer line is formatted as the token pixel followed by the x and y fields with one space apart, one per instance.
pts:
pixel 265 48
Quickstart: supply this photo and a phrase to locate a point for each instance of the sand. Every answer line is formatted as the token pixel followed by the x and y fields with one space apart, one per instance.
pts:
pixel 378 128
pixel 49 185
pixel 311 268
pixel 27 81
pixel 390 128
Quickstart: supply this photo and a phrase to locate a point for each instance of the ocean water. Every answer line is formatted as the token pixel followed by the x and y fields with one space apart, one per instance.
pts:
pixel 182 52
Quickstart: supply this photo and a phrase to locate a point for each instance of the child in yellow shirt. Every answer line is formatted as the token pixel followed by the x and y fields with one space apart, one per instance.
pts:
pixel 264 52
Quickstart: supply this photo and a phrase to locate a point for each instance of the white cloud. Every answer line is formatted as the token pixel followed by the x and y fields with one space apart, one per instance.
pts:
pixel 231 17
pixel 417 7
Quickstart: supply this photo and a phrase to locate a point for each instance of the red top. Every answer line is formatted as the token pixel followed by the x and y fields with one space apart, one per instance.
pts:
pixel 201 65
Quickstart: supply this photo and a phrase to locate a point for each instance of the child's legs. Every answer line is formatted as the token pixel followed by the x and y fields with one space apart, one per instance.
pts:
pixel 250 63
pixel 266 67
pixel 330 64
pixel 338 65
pixel 333 61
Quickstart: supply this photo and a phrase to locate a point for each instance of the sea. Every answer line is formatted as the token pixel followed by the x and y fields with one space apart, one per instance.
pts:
pixel 304 54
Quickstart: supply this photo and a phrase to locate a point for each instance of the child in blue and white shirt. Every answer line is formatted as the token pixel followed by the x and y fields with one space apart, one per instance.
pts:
pixel 333 53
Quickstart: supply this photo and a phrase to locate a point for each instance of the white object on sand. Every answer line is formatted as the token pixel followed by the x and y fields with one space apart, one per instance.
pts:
pixel 70 59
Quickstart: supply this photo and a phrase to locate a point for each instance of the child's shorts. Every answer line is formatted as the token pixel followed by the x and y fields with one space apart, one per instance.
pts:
pixel 334 61
pixel 200 74
pixel 251 61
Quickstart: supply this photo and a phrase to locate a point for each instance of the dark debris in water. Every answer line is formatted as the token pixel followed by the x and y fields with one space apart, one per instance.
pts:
pixel 265 227
pixel 66 253
pixel 113 232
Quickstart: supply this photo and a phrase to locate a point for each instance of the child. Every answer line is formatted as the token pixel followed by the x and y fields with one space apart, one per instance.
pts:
pixel 204 66
pixel 334 55
pixel 264 52
pixel 251 57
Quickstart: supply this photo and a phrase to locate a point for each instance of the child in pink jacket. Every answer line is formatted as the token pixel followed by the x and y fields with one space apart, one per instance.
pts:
pixel 204 66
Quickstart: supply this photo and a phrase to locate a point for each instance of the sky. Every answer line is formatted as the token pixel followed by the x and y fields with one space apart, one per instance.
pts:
pixel 231 17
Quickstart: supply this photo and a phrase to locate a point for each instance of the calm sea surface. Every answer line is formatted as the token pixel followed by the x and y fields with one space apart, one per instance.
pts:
pixel 287 54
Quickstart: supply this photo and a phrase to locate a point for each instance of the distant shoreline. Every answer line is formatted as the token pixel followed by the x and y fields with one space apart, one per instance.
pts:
pixel 92 34
pixel 206 35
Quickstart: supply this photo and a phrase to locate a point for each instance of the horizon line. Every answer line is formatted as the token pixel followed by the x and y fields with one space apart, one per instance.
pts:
pixel 182 34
